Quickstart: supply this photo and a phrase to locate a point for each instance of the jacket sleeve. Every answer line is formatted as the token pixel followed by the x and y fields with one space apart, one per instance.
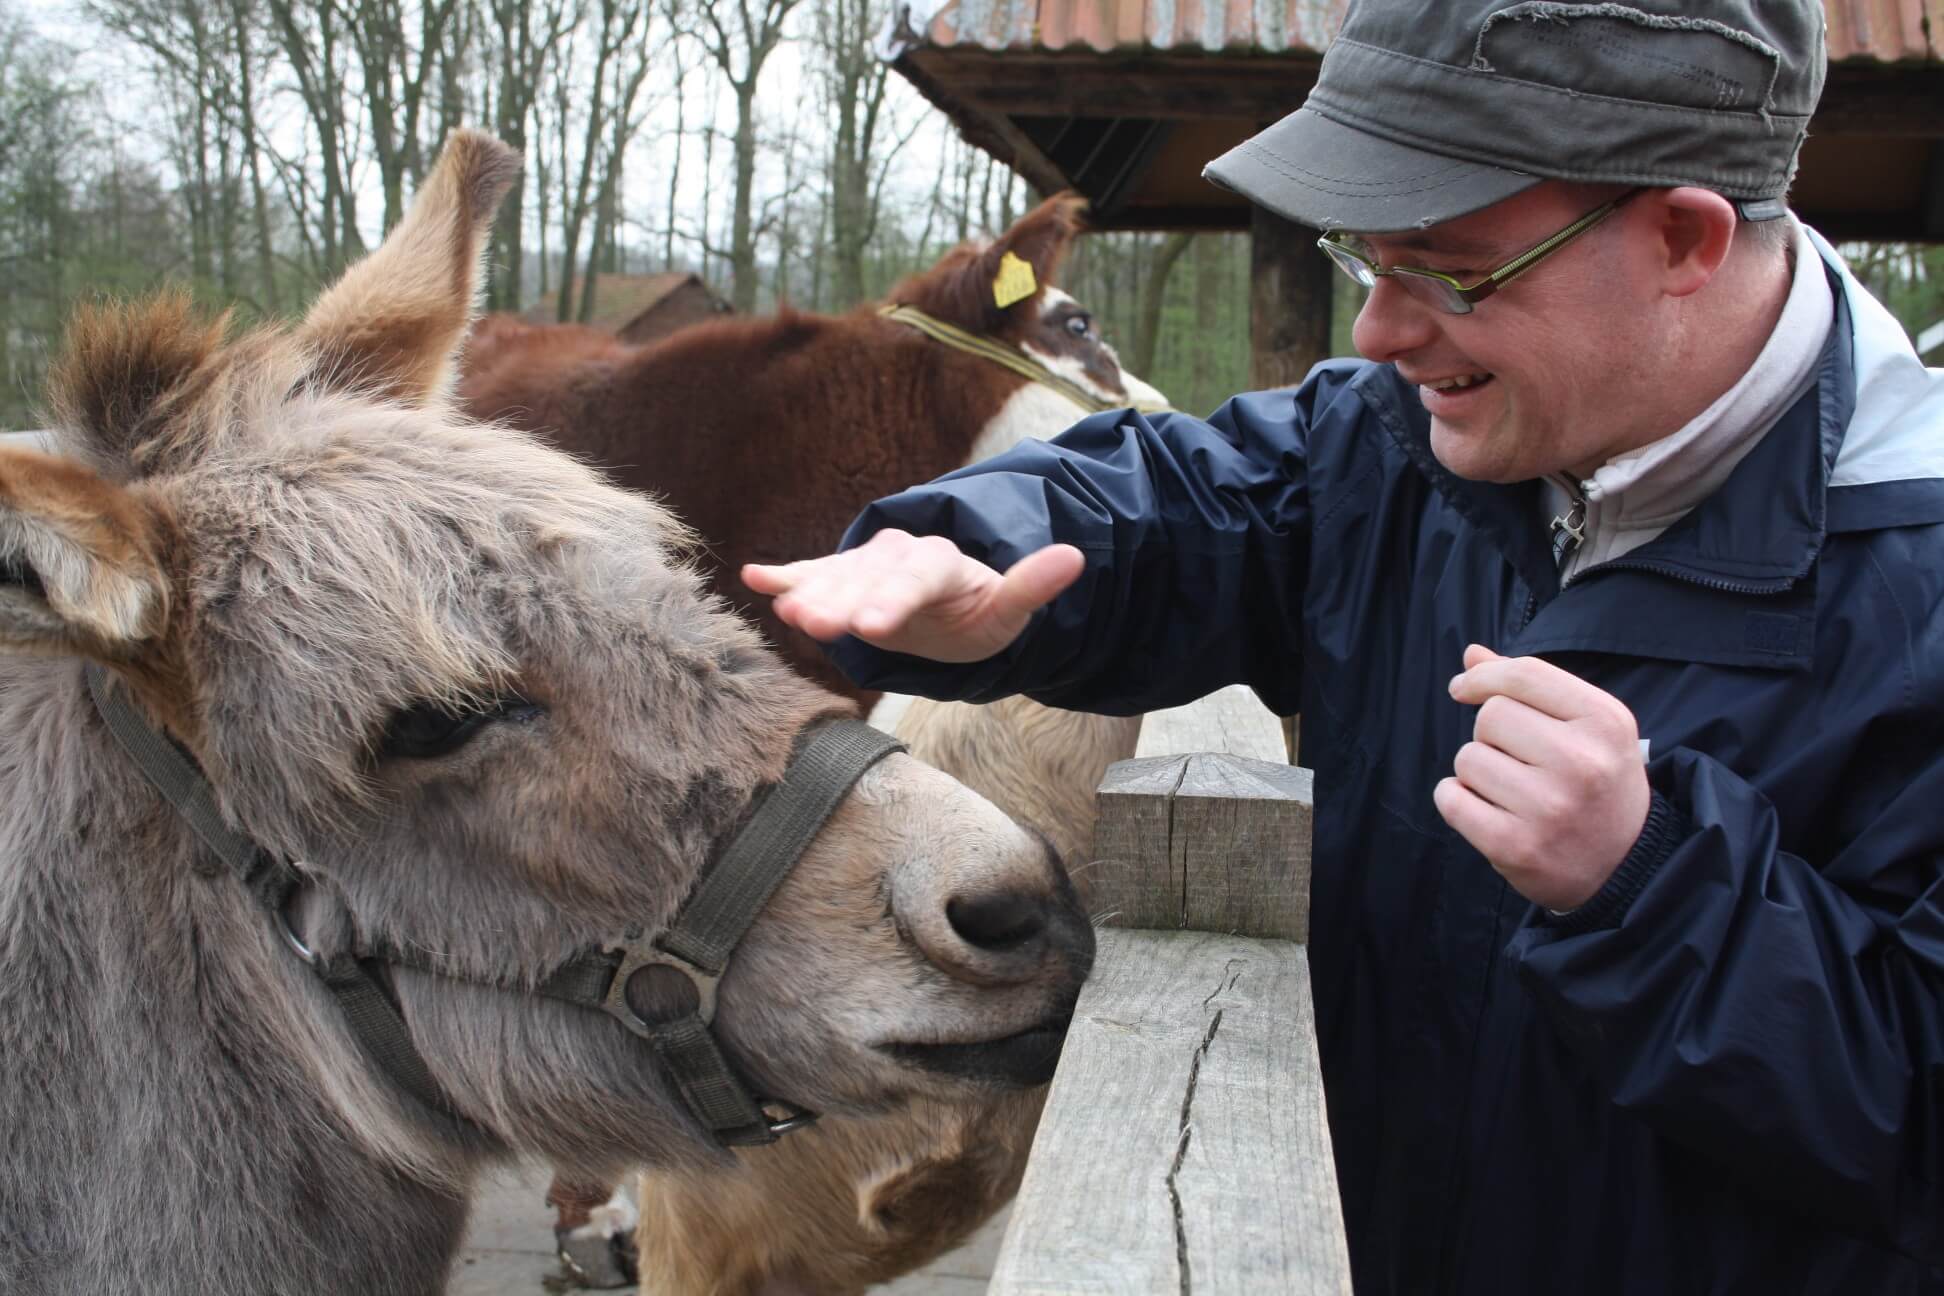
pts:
pixel 1196 538
pixel 1784 1019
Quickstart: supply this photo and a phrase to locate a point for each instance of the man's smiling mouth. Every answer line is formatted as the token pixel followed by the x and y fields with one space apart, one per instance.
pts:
pixel 1457 382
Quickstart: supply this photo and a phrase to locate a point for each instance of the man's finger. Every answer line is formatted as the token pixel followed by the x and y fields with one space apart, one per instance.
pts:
pixel 1037 579
pixel 768 578
pixel 1536 682
pixel 1504 781
pixel 1489 829
pixel 1522 732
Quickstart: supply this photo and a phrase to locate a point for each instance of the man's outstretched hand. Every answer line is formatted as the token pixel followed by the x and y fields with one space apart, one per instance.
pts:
pixel 1551 789
pixel 916 594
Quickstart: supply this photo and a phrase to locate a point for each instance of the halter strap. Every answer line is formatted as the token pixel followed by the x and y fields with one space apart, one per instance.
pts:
pixel 698 943
pixel 1010 358
pixel 375 1022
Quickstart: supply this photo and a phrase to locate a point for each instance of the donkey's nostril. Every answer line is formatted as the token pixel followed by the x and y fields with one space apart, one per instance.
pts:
pixel 1000 921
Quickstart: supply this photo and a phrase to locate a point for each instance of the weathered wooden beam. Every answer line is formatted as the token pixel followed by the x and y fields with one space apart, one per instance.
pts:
pixel 1184 1145
pixel 1163 86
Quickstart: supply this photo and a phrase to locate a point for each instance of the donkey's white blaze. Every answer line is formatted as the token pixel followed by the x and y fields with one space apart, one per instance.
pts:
pixel 1139 393
pixel 1034 412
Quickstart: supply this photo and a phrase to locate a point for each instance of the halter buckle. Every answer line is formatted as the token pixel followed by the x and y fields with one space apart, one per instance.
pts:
pixel 637 952
pixel 286 927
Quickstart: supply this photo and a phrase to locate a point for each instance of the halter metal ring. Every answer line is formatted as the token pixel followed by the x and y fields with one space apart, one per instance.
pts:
pixel 288 930
pixel 638 952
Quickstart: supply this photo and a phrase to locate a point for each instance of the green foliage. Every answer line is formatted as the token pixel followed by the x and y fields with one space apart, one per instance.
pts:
pixel 1906 277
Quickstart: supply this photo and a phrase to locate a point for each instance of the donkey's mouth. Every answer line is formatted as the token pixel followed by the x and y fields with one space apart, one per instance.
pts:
pixel 1025 1059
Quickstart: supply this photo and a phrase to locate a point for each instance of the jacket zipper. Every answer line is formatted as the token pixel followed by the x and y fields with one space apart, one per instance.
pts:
pixel 1569 531
pixel 1569 534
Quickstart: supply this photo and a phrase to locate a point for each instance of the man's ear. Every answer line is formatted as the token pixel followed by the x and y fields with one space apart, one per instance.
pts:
pixel 80 561
pixel 1697 228
pixel 394 323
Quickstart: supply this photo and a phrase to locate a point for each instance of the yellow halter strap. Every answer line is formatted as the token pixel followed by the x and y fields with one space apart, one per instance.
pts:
pixel 1010 358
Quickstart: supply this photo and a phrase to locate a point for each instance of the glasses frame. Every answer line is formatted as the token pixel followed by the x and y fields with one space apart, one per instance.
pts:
pixel 1448 294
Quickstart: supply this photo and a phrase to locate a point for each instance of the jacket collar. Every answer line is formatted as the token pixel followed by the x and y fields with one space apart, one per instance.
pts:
pixel 1732 582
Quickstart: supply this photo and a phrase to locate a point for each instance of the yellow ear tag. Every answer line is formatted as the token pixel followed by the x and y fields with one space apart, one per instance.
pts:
pixel 1014 282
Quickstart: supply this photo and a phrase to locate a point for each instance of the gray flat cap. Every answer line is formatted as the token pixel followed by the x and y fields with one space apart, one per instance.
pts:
pixel 1426 110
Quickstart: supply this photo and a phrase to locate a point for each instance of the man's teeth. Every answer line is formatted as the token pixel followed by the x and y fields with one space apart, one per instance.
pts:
pixel 1462 380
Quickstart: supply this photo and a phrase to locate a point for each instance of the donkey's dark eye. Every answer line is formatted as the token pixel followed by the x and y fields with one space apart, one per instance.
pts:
pixel 1080 325
pixel 429 729
pixel 14 571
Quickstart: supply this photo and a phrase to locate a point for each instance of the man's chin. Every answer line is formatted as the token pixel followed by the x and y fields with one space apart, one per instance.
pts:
pixel 1468 452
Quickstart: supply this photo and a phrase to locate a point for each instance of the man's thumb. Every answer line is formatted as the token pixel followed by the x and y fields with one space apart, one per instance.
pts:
pixel 1037 580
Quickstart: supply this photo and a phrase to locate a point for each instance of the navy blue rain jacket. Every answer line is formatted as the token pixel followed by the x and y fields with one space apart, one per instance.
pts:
pixel 1725 1073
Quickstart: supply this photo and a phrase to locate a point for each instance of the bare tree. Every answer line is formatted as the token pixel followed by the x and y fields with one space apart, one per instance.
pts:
pixel 624 123
pixel 398 66
pixel 1154 288
pixel 243 30
pixel 188 47
pixel 622 25
pixel 855 85
pixel 676 48
pixel 311 38
pixel 525 34
pixel 739 37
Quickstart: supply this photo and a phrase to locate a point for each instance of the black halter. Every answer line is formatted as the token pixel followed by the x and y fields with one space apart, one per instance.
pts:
pixel 696 944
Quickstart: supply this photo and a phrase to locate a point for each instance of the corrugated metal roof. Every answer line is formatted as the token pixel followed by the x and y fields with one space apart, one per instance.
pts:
pixel 1885 31
pixel 1267 26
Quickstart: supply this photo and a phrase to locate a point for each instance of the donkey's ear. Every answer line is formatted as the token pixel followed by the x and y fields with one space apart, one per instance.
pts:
pixel 128 379
pixel 80 564
pixel 393 324
pixel 1029 255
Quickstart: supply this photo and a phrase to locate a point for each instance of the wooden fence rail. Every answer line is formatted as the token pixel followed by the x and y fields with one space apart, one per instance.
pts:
pixel 1184 1145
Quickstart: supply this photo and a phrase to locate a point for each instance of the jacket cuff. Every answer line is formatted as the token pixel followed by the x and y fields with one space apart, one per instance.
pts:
pixel 1664 830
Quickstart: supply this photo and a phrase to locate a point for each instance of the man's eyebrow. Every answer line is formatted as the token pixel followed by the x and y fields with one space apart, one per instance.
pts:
pixel 1440 243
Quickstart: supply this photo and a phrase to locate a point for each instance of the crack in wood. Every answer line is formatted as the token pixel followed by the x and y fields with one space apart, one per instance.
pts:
pixel 1181 1148
pixel 1231 978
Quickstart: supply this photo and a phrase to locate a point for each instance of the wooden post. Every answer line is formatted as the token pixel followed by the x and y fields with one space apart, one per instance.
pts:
pixel 1289 301
pixel 1208 842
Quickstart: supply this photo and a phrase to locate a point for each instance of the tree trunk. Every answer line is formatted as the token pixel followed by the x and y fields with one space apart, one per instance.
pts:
pixel 742 238
pixel 266 251
pixel 1289 301
pixel 1147 332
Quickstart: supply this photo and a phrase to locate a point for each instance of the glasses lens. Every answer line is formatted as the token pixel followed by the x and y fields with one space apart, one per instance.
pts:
pixel 1349 262
pixel 1433 291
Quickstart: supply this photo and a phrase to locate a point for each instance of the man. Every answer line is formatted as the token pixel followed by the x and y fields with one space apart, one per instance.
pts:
pixel 1611 593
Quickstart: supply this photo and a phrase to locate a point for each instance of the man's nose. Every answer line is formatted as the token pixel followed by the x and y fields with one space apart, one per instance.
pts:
pixel 1392 323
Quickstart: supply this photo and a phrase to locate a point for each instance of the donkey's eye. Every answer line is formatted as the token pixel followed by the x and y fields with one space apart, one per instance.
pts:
pixel 429 729
pixel 1080 325
pixel 16 572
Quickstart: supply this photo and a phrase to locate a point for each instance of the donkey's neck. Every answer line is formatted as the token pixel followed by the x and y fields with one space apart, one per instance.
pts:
pixel 212 1143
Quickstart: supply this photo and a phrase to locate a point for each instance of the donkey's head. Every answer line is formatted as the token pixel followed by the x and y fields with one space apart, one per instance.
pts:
pixel 477 700
pixel 1004 290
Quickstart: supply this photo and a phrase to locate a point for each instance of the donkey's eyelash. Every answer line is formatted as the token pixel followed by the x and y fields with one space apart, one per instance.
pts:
pixel 427 730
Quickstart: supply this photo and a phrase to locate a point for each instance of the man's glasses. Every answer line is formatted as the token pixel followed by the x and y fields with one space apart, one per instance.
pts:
pixel 1354 257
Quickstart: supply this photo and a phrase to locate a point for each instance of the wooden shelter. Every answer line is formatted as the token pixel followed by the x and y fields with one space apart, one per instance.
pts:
pixel 1125 100
pixel 641 307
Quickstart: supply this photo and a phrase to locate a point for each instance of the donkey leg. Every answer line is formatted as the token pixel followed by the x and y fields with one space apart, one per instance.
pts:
pixel 594 1228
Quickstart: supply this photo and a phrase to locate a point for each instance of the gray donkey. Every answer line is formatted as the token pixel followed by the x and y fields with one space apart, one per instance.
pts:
pixel 373 786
